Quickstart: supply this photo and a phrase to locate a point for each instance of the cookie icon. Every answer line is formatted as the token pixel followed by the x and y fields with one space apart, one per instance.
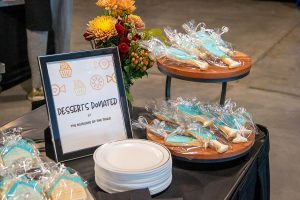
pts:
pixel 65 70
pixel 97 82
pixel 79 88
pixel 111 78
pixel 103 63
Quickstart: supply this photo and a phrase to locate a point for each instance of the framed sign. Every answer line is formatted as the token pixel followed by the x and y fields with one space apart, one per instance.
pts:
pixel 86 101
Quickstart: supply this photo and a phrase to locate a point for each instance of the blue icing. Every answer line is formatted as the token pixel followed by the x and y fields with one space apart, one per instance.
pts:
pixel 180 54
pixel 204 133
pixel 179 139
pixel 169 127
pixel 165 117
pixel 67 176
pixel 210 44
pixel 234 121
pixel 190 110
pixel 219 122
pixel 24 181
pixel 2 182
pixel 22 144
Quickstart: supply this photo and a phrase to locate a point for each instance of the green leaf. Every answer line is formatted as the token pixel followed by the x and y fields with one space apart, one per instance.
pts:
pixel 129 96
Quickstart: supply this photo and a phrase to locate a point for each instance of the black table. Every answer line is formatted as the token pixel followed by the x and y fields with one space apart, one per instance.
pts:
pixel 245 178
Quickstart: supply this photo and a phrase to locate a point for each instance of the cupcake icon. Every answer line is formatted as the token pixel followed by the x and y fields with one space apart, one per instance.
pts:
pixel 79 88
pixel 65 70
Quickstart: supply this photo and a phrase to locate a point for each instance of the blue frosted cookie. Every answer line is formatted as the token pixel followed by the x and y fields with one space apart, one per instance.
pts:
pixel 14 150
pixel 20 188
pixel 67 186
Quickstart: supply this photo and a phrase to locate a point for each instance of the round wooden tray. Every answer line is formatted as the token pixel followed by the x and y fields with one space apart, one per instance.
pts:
pixel 185 71
pixel 188 153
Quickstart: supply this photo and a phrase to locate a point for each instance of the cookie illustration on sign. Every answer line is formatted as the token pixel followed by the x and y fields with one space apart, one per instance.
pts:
pixel 79 88
pixel 103 63
pixel 65 70
pixel 111 78
pixel 56 89
pixel 97 82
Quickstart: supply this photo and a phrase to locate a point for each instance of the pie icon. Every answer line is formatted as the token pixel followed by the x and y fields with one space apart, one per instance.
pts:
pixel 97 82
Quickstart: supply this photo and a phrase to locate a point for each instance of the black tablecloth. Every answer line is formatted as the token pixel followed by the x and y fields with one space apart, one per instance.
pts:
pixel 244 178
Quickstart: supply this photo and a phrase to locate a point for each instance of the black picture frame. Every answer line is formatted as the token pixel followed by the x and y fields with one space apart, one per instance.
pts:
pixel 43 60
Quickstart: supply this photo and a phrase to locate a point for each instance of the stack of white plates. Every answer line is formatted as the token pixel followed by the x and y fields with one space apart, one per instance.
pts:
pixel 133 164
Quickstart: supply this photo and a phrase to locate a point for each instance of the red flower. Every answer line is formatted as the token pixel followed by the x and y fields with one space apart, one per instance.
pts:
pixel 120 29
pixel 123 48
pixel 136 37
pixel 127 31
pixel 88 36
pixel 125 40
pixel 120 22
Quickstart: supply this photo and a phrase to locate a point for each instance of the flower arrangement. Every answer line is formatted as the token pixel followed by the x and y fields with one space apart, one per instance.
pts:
pixel 118 26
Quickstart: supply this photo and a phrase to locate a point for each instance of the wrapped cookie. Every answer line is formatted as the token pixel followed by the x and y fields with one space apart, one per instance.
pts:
pixel 66 184
pixel 210 41
pixel 20 188
pixel 159 50
pixel 15 148
pixel 235 124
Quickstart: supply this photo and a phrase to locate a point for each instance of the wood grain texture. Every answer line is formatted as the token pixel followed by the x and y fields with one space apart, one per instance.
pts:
pixel 199 153
pixel 213 72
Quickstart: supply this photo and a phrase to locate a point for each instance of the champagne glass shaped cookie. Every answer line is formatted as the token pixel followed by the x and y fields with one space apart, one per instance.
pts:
pixel 159 50
pixel 230 132
pixel 186 43
pixel 159 128
pixel 207 137
pixel 190 109
pixel 211 42
pixel 163 112
pixel 179 138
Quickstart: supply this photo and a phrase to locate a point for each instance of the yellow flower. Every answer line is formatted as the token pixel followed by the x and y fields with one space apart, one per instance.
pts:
pixel 102 27
pixel 126 5
pixel 107 4
pixel 136 21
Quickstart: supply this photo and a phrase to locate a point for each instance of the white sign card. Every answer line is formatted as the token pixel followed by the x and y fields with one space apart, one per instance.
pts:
pixel 86 101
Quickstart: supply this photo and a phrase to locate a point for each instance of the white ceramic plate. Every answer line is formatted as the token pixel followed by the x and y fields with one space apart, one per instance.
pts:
pixel 160 188
pixel 133 177
pixel 126 185
pixel 131 156
pixel 153 190
pixel 129 179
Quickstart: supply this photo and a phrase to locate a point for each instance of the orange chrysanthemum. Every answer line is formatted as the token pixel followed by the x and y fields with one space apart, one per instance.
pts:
pixel 107 4
pixel 126 6
pixel 102 27
pixel 136 21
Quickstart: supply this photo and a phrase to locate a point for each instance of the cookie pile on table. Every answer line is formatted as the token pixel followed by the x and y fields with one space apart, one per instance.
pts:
pixel 24 174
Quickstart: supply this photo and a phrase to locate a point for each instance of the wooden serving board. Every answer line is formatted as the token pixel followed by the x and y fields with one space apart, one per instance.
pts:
pixel 199 153
pixel 213 72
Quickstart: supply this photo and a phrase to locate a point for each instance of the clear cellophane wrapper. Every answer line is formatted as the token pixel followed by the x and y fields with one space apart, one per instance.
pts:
pixel 188 126
pixel 234 123
pixel 65 183
pixel 16 151
pixel 190 45
pixel 31 177
pixel 211 45
pixel 49 180
pixel 172 54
